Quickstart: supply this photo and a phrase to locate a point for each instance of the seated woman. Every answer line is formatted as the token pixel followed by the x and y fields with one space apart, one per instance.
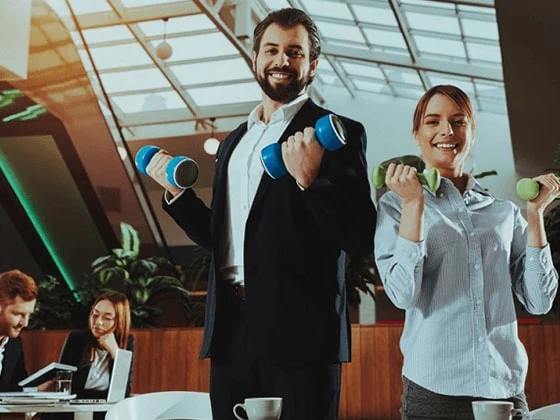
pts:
pixel 93 349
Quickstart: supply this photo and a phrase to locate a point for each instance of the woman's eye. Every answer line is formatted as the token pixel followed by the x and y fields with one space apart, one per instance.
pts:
pixel 460 122
pixel 432 122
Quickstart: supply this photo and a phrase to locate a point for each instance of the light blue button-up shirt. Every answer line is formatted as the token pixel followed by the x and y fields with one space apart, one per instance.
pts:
pixel 460 334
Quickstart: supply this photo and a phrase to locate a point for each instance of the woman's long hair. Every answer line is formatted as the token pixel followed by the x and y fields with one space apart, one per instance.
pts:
pixel 122 323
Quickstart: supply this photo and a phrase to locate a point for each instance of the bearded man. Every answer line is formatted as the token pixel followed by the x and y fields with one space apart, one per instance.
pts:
pixel 276 316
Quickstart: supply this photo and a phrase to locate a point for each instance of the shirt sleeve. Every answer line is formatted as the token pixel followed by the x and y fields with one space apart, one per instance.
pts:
pixel 399 261
pixel 534 279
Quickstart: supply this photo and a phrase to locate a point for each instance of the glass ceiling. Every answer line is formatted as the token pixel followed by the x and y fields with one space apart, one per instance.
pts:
pixel 390 47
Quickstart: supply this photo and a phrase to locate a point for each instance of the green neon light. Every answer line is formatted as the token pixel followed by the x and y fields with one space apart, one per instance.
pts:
pixel 7 97
pixel 32 112
pixel 35 219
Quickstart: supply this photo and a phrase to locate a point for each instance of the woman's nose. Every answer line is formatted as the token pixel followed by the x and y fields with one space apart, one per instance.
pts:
pixel 447 130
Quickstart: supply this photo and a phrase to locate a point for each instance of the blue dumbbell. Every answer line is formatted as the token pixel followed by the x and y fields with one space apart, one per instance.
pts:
pixel 182 172
pixel 330 133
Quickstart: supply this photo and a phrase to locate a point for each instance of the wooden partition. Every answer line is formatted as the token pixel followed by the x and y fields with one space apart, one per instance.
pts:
pixel 167 359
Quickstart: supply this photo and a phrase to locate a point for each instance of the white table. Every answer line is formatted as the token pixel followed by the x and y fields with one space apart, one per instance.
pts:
pixel 81 411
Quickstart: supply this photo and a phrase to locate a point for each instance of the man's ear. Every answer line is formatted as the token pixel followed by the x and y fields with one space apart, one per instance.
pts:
pixel 313 68
pixel 254 60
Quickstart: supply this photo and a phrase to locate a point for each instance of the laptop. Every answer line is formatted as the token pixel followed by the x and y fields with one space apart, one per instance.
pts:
pixel 118 382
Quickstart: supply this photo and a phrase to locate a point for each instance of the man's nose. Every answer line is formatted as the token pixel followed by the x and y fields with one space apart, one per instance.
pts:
pixel 281 59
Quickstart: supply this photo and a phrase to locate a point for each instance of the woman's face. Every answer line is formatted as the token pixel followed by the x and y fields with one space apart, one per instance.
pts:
pixel 445 136
pixel 102 318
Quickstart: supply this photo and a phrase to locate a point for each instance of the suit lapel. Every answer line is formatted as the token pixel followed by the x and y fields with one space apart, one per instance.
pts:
pixel 306 117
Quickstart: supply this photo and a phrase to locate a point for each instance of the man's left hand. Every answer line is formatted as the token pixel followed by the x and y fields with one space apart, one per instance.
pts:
pixel 302 155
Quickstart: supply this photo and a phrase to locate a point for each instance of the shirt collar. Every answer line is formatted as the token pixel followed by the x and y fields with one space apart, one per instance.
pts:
pixel 285 113
pixel 3 342
pixel 472 185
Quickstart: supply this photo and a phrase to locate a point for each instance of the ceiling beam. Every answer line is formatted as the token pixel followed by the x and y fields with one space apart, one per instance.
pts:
pixel 132 15
pixel 182 115
pixel 443 67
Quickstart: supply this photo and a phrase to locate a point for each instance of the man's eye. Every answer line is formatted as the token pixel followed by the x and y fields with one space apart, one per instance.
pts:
pixel 295 54
pixel 270 51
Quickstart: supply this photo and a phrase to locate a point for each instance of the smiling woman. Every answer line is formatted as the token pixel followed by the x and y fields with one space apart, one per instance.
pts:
pixel 451 259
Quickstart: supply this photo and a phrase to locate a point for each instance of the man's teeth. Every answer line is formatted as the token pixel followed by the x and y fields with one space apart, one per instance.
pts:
pixel 446 146
pixel 279 75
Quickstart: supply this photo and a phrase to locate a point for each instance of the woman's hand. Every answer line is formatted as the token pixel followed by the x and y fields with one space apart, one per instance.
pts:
pixel 402 180
pixel 550 188
pixel 47 386
pixel 109 343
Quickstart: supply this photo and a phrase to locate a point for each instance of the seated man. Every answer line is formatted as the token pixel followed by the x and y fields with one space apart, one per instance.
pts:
pixel 18 294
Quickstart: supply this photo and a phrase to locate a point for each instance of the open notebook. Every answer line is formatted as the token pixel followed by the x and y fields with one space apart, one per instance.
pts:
pixel 118 383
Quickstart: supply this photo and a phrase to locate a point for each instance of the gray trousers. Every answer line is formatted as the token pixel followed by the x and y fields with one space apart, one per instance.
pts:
pixel 420 403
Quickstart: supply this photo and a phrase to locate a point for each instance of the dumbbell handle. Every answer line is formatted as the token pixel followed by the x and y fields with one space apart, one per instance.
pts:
pixel 430 178
pixel 528 189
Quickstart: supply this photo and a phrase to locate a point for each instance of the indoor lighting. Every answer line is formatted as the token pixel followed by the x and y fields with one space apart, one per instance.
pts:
pixel 164 50
pixel 211 144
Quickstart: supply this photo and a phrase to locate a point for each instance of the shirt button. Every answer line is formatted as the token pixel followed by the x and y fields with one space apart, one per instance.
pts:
pixel 531 258
pixel 471 234
pixel 461 210
pixel 440 195
pixel 413 254
pixel 476 266
pixel 477 302
pixel 480 339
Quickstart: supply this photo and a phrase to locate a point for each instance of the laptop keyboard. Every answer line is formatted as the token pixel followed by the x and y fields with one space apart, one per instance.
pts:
pixel 88 401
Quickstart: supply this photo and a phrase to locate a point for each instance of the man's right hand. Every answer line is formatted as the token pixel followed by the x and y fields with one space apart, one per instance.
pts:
pixel 156 169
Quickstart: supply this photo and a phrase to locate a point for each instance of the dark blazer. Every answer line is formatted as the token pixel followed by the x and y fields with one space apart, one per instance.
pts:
pixel 295 245
pixel 13 366
pixel 71 354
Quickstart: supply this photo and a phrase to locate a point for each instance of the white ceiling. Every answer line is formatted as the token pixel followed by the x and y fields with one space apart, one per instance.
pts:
pixel 390 47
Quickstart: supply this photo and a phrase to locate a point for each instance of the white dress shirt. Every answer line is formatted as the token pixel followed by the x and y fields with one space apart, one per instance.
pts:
pixel 99 372
pixel 3 342
pixel 244 174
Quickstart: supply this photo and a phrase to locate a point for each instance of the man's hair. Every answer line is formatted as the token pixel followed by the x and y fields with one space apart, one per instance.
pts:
pixel 14 283
pixel 288 18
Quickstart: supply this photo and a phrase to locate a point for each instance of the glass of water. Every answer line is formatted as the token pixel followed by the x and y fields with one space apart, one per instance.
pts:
pixel 64 382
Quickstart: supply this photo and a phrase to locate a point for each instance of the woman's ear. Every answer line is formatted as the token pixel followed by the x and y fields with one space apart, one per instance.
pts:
pixel 415 139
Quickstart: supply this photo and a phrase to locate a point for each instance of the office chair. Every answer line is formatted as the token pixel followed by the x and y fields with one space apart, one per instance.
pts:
pixel 163 405
pixel 549 412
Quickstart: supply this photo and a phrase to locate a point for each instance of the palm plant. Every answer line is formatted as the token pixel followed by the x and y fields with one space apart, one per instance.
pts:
pixel 141 279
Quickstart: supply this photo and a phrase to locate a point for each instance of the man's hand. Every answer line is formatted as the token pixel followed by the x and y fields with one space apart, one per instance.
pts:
pixel 156 169
pixel 109 343
pixel 46 386
pixel 302 155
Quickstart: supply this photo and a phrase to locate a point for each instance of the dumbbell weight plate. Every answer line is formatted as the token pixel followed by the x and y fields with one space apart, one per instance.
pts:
pixel 182 172
pixel 330 132
pixel 271 159
pixel 143 157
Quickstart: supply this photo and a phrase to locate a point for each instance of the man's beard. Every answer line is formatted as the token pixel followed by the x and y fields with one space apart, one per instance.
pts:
pixel 283 92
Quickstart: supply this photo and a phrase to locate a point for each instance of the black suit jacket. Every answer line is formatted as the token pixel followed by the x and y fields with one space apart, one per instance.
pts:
pixel 13 366
pixel 71 354
pixel 295 244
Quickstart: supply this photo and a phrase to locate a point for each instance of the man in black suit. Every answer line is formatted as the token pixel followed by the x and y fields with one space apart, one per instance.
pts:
pixel 276 316
pixel 18 294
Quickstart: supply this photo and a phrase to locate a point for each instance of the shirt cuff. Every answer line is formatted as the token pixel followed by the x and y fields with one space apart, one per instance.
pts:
pixel 408 252
pixel 300 187
pixel 169 199
pixel 538 259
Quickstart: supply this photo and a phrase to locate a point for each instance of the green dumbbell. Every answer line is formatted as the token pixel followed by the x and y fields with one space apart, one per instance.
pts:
pixel 430 178
pixel 528 189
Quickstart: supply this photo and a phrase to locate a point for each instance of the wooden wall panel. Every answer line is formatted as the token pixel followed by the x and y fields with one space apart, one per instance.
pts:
pixel 167 359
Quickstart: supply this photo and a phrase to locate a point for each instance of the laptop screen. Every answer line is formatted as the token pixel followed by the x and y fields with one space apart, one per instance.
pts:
pixel 119 377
